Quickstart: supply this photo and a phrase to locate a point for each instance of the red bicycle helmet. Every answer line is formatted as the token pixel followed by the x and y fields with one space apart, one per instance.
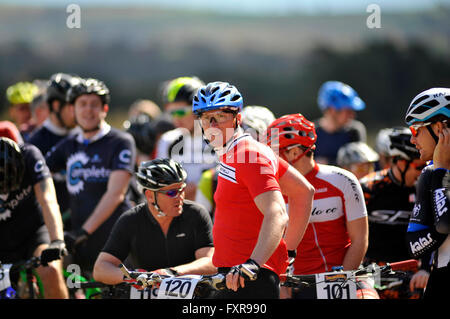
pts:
pixel 292 129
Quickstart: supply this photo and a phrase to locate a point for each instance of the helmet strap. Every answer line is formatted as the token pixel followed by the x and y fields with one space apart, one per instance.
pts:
pixel 155 204
pixel 301 155
pixel 436 139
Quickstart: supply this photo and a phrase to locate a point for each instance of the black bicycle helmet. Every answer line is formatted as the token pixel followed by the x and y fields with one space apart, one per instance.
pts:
pixel 88 86
pixel 401 145
pixel 12 166
pixel 58 86
pixel 159 173
pixel 143 133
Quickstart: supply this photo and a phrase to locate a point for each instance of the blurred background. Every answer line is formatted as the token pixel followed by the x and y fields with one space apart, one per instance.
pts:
pixel 277 53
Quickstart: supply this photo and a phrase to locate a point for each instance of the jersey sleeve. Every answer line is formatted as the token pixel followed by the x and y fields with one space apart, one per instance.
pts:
pixel 36 166
pixel 259 174
pixel 421 235
pixel 355 205
pixel 439 186
pixel 125 155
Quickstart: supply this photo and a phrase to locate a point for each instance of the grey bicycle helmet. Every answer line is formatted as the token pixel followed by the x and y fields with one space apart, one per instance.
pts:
pixel 356 152
pixel 159 173
pixel 12 166
pixel 256 117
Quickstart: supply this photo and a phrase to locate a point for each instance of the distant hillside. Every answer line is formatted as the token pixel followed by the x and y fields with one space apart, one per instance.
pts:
pixel 45 29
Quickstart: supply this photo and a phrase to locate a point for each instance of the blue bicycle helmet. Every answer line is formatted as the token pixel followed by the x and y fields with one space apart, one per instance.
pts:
pixel 339 96
pixel 216 95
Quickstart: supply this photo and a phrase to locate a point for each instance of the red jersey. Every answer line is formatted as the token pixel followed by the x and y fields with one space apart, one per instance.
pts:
pixel 247 169
pixel 338 199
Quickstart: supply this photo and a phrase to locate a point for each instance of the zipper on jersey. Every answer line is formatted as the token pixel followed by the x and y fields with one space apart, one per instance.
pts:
pixel 318 247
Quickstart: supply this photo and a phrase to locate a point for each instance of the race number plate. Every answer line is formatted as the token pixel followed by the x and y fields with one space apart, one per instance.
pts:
pixel 147 293
pixel 5 283
pixel 334 285
pixel 178 287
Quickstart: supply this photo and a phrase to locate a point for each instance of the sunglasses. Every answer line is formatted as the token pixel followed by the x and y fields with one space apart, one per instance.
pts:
pixel 173 192
pixel 415 128
pixel 178 113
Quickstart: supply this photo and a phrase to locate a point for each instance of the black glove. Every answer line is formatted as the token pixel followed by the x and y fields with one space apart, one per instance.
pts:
pixel 248 270
pixel 55 250
pixel 291 255
pixel 75 238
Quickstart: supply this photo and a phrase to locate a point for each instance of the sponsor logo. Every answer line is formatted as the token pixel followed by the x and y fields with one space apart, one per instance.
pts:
pixel 317 211
pixel 419 245
pixel 39 166
pixel 77 174
pixel 338 277
pixel 439 200
pixel 7 206
pixel 125 156
pixel 416 210
pixel 96 159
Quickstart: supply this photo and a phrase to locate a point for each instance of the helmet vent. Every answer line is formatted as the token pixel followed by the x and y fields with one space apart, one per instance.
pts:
pixel 420 99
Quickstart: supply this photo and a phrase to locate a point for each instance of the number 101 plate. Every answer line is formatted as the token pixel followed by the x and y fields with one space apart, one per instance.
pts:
pixel 334 285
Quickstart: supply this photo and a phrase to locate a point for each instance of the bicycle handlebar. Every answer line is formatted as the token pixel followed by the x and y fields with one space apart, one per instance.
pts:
pixel 147 279
pixel 306 280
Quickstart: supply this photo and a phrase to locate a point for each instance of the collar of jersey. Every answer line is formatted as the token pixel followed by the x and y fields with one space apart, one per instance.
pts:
pixel 61 131
pixel 104 129
pixel 235 141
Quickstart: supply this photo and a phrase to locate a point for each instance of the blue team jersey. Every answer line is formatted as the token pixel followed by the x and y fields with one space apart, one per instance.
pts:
pixel 328 144
pixel 88 164
pixel 20 212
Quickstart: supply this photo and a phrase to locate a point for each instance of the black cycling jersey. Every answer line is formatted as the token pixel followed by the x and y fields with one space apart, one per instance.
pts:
pixel 89 164
pixel 389 206
pixel 45 137
pixel 422 236
pixel 328 144
pixel 20 212
pixel 138 236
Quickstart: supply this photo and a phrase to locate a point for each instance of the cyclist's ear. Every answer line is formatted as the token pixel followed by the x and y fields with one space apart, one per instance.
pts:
pixel 105 108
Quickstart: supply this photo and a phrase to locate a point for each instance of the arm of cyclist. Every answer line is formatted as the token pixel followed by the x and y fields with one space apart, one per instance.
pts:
pixel 106 269
pixel 115 194
pixel 272 206
pixel 46 196
pixel 202 265
pixel 300 195
pixel 358 231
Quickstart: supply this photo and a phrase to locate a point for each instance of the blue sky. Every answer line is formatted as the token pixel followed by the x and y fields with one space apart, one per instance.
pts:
pixel 252 6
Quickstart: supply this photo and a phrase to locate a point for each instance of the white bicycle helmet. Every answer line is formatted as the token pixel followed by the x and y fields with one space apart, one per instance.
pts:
pixel 382 141
pixel 256 117
pixel 428 104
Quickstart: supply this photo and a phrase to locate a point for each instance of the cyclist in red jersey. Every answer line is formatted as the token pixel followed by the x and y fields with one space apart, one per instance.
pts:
pixel 337 233
pixel 250 214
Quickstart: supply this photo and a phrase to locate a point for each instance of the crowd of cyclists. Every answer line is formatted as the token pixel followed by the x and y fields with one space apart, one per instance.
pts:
pixel 206 184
